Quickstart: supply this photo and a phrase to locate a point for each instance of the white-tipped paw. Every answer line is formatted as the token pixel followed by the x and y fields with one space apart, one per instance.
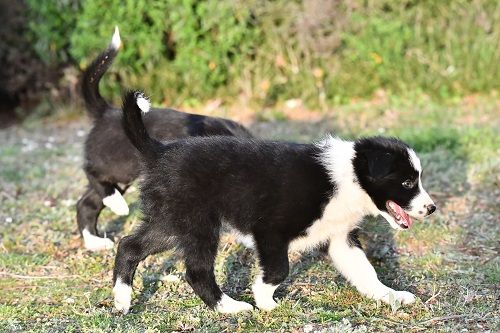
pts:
pixel 391 296
pixel 266 305
pixel 404 297
pixel 123 296
pixel 229 305
pixel 263 294
pixel 96 243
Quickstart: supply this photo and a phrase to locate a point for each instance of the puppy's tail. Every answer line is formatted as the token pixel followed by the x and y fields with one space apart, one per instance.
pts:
pixel 134 104
pixel 96 105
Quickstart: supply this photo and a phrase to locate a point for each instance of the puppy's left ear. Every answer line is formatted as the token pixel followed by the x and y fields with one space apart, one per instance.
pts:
pixel 379 163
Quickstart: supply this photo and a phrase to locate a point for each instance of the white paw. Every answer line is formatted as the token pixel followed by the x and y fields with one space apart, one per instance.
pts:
pixel 390 296
pixel 123 296
pixel 266 305
pixel 263 294
pixel 96 243
pixel 404 297
pixel 229 305
pixel 116 203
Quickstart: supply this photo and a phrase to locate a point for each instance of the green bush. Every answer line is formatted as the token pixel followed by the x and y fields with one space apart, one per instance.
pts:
pixel 142 25
pixel 322 51
pixel 441 48
pixel 212 38
pixel 170 47
pixel 51 24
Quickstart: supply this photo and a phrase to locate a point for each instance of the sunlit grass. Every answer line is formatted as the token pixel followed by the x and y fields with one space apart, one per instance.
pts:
pixel 48 283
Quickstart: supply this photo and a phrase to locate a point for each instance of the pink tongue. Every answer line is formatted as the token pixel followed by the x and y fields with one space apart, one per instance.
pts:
pixel 402 213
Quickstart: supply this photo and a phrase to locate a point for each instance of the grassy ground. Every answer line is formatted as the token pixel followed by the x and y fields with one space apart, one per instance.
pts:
pixel 49 284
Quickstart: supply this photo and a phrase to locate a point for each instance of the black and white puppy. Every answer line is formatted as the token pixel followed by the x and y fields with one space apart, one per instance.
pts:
pixel 111 162
pixel 280 195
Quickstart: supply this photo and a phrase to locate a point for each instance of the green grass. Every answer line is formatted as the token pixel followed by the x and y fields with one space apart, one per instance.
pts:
pixel 48 283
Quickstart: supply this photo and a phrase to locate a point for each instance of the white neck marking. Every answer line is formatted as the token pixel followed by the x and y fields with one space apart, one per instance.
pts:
pixel 349 203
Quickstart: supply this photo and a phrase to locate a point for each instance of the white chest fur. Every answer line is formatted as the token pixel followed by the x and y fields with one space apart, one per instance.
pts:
pixel 342 214
pixel 349 203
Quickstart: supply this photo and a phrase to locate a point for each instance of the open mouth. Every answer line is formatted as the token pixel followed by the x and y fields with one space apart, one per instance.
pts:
pixel 400 217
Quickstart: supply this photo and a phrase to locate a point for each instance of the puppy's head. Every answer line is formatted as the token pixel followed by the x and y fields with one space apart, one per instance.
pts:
pixel 391 173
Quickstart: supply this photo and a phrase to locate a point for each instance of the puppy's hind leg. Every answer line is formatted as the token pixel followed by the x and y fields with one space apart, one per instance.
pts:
pixel 132 250
pixel 88 209
pixel 199 258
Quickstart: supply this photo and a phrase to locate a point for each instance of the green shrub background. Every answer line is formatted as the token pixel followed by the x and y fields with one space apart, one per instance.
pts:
pixel 321 51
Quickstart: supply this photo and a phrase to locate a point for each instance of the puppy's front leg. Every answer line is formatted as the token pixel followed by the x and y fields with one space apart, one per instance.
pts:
pixel 274 266
pixel 352 263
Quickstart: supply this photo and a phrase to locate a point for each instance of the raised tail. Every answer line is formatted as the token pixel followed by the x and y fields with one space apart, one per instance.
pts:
pixel 96 105
pixel 134 104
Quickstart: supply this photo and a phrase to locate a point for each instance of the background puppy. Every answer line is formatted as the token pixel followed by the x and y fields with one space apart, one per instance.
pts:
pixel 110 159
pixel 280 195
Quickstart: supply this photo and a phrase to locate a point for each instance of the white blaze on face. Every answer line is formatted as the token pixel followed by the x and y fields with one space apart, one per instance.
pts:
pixel 418 206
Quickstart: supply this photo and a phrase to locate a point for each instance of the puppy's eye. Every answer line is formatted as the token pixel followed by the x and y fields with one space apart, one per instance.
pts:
pixel 408 184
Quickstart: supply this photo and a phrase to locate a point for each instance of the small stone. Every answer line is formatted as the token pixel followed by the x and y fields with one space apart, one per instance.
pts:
pixel 68 202
pixel 308 328
pixel 170 278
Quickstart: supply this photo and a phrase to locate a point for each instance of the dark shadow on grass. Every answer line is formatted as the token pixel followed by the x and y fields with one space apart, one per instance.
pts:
pixel 300 267
pixel 238 270
pixel 151 282
pixel 115 226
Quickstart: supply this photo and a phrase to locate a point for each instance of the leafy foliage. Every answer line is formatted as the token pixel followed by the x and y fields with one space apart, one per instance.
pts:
pixel 322 51
pixel 51 23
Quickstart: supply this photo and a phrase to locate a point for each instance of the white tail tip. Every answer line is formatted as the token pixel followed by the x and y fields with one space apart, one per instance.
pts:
pixel 143 102
pixel 116 41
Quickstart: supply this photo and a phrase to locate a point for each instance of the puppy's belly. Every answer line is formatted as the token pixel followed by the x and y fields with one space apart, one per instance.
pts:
pixel 304 243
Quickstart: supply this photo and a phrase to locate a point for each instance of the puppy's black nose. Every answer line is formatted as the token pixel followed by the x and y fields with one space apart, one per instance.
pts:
pixel 431 209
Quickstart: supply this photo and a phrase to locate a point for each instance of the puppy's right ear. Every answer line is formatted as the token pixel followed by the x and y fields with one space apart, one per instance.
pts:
pixel 379 163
